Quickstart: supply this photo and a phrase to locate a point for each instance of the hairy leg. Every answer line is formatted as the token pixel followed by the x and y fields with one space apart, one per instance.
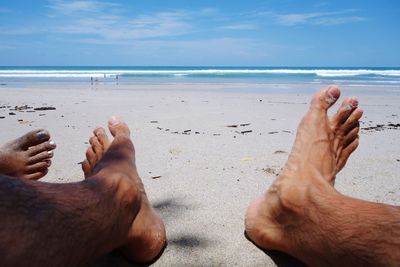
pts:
pixel 44 224
pixel 147 237
pixel 303 215
pixel 28 156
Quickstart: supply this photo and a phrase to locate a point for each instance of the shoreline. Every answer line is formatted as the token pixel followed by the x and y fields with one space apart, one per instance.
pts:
pixel 237 87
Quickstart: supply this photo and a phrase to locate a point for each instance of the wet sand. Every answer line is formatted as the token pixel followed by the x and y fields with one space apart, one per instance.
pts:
pixel 204 152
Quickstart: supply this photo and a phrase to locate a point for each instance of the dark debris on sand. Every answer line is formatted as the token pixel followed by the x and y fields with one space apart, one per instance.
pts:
pixel 237 125
pixel 45 108
pixel 23 107
pixel 272 170
pixel 247 131
pixel 381 127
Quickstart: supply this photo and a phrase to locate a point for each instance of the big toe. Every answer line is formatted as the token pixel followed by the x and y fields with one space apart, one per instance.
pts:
pixel 32 138
pixel 325 98
pixel 118 127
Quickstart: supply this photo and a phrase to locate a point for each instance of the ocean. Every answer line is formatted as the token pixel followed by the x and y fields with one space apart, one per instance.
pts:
pixel 355 76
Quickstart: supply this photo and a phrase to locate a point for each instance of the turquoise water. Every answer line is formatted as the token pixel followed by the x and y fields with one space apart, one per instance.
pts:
pixel 356 76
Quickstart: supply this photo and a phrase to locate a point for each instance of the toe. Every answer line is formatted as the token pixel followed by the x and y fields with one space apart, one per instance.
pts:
pixel 347 151
pixel 353 120
pixel 96 147
pixel 40 157
pixel 118 127
pixel 46 146
pixel 345 110
pixel 102 137
pixel 325 98
pixel 32 138
pixel 351 136
pixel 91 157
pixel 35 175
pixel 38 167
pixel 86 168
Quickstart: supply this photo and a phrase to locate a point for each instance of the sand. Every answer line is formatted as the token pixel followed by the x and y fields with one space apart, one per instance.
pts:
pixel 199 174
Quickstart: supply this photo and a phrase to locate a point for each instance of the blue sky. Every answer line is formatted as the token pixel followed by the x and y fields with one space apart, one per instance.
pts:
pixel 219 33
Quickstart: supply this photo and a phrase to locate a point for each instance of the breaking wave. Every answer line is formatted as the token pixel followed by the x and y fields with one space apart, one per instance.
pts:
pixel 98 73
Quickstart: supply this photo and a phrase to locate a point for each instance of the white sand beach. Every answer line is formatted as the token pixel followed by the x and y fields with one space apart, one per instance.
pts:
pixel 200 174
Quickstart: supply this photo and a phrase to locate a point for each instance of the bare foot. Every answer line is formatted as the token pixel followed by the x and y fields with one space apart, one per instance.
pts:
pixel 147 237
pixel 28 156
pixel 321 149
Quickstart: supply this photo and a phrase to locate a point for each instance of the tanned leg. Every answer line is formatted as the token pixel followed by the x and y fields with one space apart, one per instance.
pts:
pixel 303 215
pixel 28 156
pixel 44 224
pixel 147 237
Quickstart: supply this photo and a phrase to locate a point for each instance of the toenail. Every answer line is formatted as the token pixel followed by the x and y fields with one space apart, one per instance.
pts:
pixel 330 99
pixel 349 107
pixel 42 135
pixel 48 162
pixel 52 143
pixel 354 102
pixel 114 120
pixel 50 152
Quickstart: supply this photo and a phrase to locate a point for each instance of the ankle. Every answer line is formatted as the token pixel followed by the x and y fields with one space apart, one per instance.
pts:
pixel 297 193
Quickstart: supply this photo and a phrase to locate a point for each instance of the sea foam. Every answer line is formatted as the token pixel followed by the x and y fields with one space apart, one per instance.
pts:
pixel 98 73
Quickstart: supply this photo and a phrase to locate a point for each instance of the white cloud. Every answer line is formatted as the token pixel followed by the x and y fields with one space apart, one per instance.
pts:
pixel 339 20
pixel 112 27
pixel 107 21
pixel 318 18
pixel 311 18
pixel 74 7
pixel 96 21
pixel 244 26
pixel 296 19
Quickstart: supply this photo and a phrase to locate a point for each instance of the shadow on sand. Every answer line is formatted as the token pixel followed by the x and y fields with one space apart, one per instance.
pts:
pixel 281 259
pixel 168 209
